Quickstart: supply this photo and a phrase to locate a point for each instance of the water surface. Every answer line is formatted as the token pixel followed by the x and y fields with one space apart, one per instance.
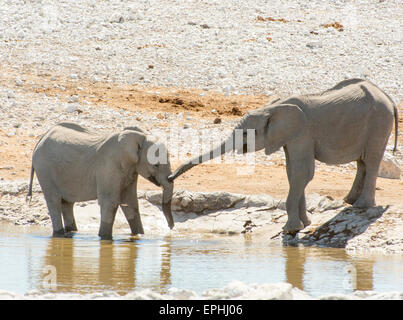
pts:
pixel 31 259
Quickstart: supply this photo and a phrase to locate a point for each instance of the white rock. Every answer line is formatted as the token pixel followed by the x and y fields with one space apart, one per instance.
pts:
pixel 10 94
pixel 21 34
pixel 314 45
pixel 73 98
pixel 389 167
pixel 12 133
pixel 116 18
pixel 19 82
pixel 71 108
pixel 228 90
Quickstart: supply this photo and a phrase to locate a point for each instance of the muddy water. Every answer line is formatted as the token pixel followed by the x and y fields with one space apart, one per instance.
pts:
pixel 30 259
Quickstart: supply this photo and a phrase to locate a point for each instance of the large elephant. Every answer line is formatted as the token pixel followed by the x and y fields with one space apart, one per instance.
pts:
pixel 350 122
pixel 74 164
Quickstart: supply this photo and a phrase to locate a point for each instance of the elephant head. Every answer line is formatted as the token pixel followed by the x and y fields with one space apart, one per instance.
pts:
pixel 272 127
pixel 152 163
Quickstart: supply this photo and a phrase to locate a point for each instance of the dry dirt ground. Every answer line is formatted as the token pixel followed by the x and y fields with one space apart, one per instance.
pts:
pixel 270 179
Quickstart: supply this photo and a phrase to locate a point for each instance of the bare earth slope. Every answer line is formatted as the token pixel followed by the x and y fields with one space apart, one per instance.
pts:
pixel 192 66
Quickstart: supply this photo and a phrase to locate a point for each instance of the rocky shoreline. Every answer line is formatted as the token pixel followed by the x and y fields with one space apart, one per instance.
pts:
pixel 198 66
pixel 235 290
pixel 60 58
pixel 261 217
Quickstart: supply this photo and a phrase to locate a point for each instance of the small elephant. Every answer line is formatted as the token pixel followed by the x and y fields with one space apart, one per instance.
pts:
pixel 350 122
pixel 74 164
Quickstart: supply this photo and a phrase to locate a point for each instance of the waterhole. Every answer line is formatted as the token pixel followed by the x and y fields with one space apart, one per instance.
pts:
pixel 31 259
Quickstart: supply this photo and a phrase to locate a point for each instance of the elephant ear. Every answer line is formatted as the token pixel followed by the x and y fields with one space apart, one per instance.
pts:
pixel 130 144
pixel 285 123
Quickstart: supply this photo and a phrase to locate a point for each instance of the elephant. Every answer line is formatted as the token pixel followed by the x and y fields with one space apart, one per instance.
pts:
pixel 352 121
pixel 74 164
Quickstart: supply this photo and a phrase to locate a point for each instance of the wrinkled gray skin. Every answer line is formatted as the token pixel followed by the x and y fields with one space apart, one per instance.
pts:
pixel 349 122
pixel 73 164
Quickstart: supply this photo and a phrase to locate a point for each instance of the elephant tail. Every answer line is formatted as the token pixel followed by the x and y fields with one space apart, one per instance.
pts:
pixel 29 194
pixel 396 114
pixel 31 180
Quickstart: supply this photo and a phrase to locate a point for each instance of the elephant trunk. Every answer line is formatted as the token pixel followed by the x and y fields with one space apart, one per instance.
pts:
pixel 225 147
pixel 166 203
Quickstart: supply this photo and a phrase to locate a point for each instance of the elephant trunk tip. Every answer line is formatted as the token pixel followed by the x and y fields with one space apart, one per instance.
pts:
pixel 170 221
pixel 174 175
pixel 167 211
pixel 181 170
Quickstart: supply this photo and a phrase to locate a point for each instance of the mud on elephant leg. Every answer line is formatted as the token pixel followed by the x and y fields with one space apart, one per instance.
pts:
pixel 358 184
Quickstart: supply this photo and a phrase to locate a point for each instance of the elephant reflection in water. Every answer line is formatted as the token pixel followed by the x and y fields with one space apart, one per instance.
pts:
pixel 358 273
pixel 165 274
pixel 81 269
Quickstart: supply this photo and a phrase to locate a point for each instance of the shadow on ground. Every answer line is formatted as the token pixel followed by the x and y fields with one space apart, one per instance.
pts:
pixel 336 232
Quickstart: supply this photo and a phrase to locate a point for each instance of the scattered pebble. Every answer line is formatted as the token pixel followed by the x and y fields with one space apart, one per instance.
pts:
pixel 19 82
pixel 10 94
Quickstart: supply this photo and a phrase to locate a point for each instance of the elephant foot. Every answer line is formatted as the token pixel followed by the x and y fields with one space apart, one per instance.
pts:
pixel 58 233
pixel 105 231
pixel 363 203
pixel 71 228
pixel 106 237
pixel 137 232
pixel 135 228
pixel 68 234
pixel 349 199
pixel 293 226
pixel 134 237
pixel 305 220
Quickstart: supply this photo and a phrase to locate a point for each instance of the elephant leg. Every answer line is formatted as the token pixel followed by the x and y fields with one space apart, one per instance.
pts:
pixel 358 184
pixel 54 204
pixel 131 208
pixel 300 170
pixel 108 213
pixel 372 157
pixel 367 196
pixel 133 218
pixel 68 216
pixel 302 211
pixel 53 200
